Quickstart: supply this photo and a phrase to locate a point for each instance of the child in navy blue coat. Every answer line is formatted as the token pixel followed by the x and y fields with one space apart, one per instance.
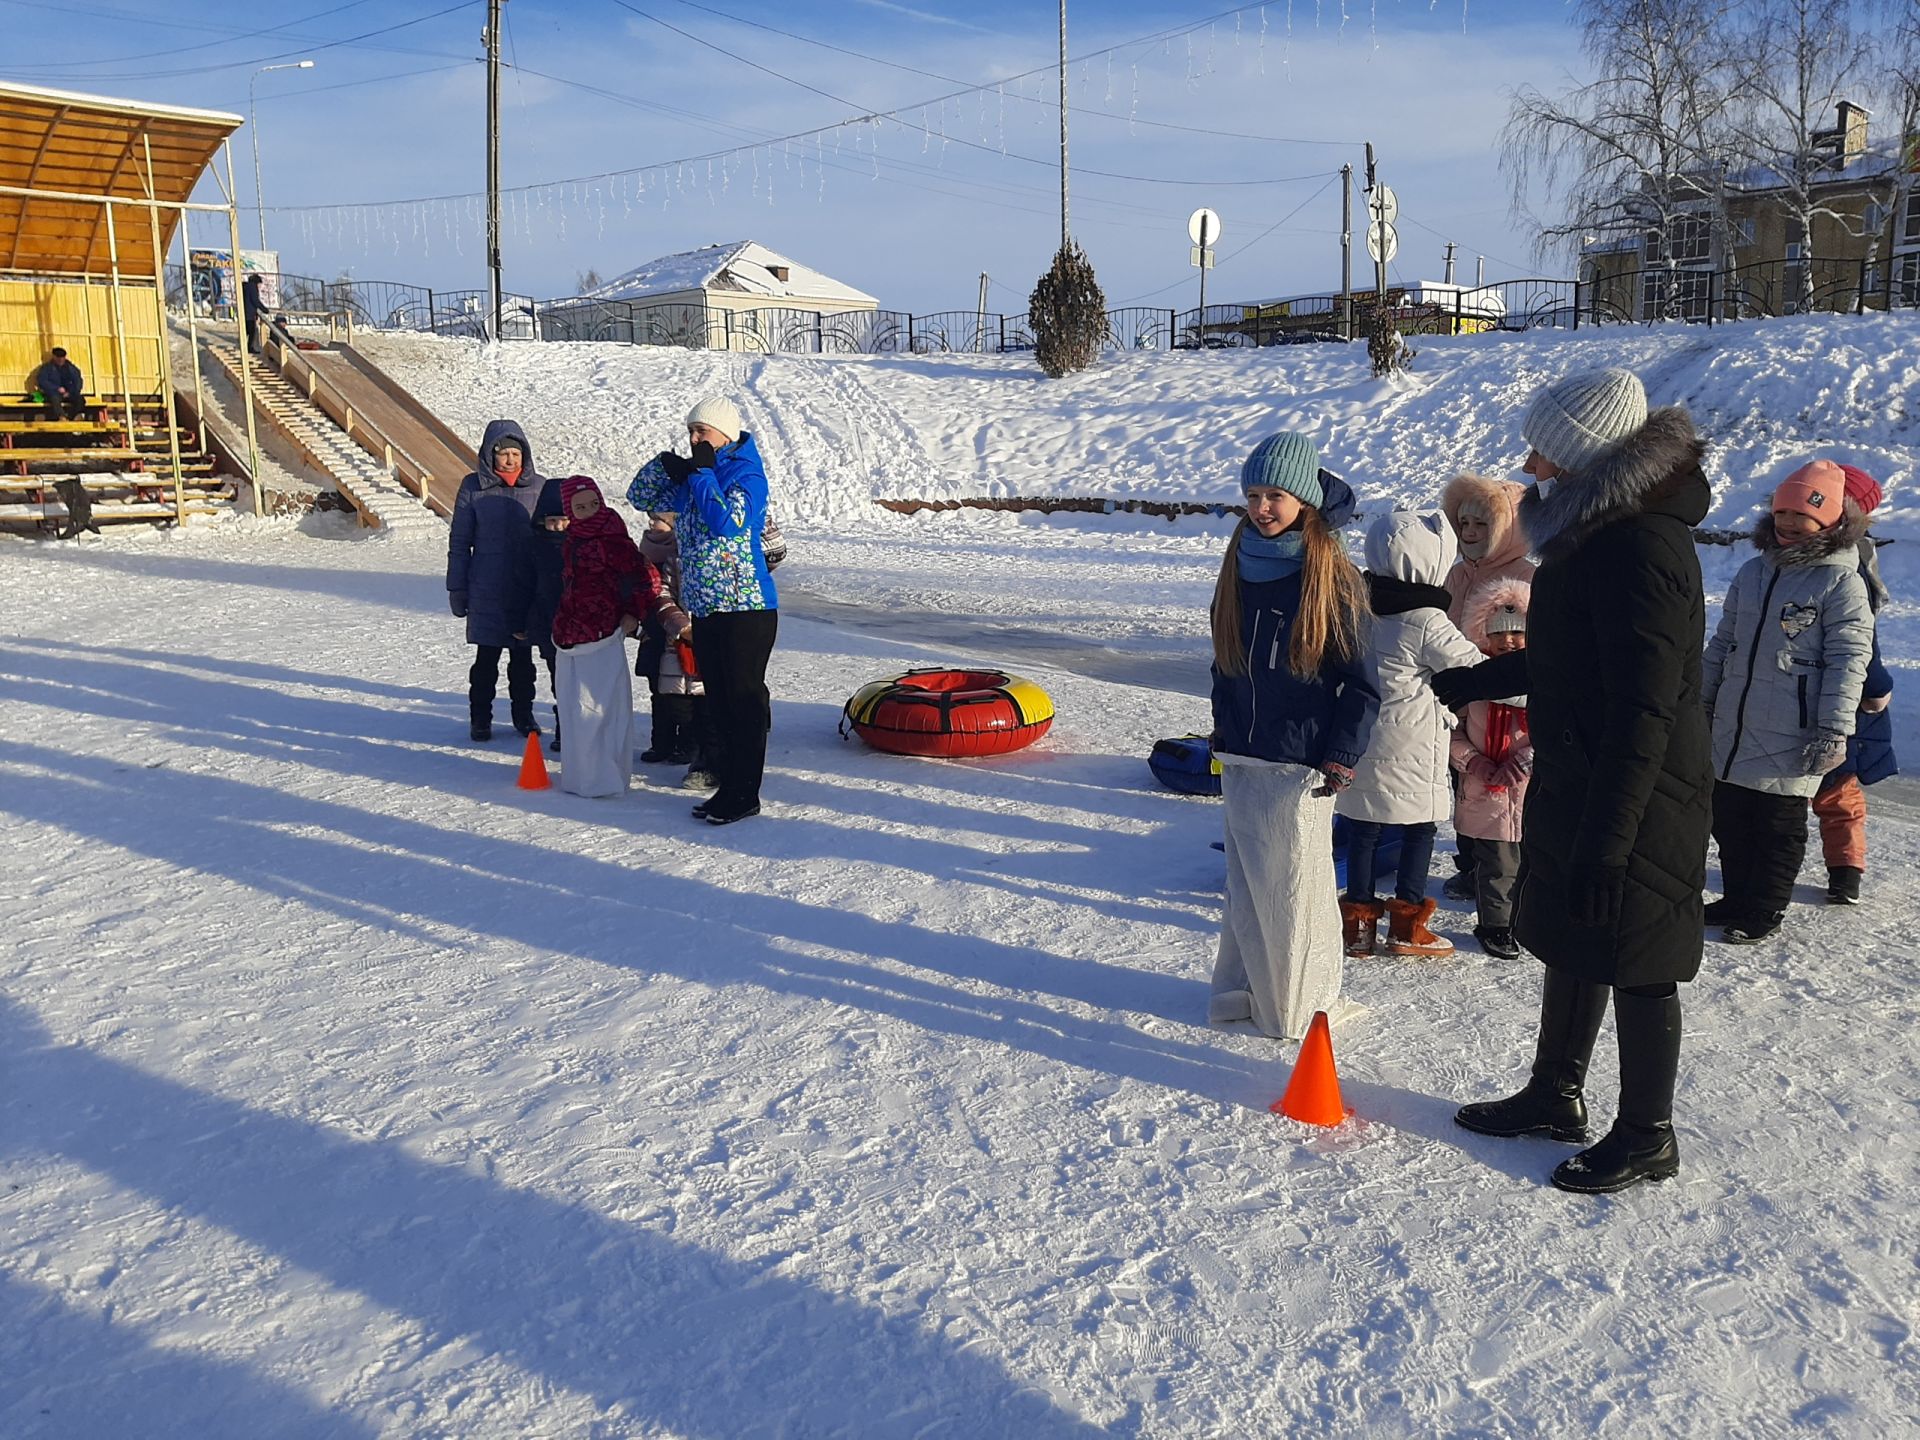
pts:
pixel 1294 697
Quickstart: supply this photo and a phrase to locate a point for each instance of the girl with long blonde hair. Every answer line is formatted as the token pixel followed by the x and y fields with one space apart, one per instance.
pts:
pixel 1294 698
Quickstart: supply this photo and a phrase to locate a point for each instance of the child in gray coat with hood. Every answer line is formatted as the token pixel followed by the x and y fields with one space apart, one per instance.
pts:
pixel 1781 679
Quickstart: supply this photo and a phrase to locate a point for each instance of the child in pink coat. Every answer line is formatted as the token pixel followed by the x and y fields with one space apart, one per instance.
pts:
pixel 1493 756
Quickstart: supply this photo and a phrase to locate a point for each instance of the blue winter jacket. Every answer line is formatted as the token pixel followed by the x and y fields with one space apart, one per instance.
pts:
pixel 490 567
pixel 58 375
pixel 723 566
pixel 1269 713
pixel 1870 748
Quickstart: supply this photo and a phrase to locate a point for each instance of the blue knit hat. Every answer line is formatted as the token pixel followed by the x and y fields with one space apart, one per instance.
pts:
pixel 1287 461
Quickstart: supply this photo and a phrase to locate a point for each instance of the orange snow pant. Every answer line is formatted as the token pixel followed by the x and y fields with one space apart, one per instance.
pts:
pixel 1843 824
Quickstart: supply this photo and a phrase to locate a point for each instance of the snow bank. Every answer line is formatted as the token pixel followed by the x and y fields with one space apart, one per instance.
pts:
pixel 839 430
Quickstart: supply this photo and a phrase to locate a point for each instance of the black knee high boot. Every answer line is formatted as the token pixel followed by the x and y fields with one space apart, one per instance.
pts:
pixel 1552 1103
pixel 1641 1144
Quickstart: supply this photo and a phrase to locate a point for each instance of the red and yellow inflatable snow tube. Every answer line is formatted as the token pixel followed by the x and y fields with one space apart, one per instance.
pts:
pixel 950 714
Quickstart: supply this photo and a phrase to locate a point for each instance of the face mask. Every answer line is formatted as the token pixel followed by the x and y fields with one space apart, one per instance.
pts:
pixel 1545 487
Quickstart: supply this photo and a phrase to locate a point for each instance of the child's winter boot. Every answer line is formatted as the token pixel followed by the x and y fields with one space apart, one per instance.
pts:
pixel 1360 925
pixel 1843 885
pixel 1407 932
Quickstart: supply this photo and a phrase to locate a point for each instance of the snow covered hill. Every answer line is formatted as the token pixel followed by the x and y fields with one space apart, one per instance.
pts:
pixel 839 430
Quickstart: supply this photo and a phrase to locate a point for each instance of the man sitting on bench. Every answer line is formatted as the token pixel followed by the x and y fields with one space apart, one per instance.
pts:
pixel 60 382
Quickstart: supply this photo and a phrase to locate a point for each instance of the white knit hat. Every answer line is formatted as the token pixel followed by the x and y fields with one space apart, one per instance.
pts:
pixel 719 414
pixel 1575 421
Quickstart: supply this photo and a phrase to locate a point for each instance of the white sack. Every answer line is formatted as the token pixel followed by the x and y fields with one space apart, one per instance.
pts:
pixel 595 697
pixel 1280 952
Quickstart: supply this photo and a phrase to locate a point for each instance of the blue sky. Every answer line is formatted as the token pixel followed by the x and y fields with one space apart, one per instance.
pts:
pixel 1251 114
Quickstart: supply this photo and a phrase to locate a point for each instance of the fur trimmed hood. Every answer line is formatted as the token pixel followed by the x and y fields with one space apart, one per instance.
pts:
pixel 1484 600
pixel 1656 466
pixel 1837 545
pixel 1499 502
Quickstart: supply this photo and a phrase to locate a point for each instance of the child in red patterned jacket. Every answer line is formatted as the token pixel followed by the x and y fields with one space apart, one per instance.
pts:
pixel 606 590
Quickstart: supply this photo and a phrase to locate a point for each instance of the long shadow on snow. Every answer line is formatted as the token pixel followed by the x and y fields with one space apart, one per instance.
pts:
pixel 331 735
pixel 79 1374
pixel 396 589
pixel 240 669
pixel 390 871
pixel 678 1336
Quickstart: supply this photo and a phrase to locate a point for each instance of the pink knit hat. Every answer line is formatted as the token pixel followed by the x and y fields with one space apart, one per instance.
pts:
pixel 1862 488
pixel 1818 489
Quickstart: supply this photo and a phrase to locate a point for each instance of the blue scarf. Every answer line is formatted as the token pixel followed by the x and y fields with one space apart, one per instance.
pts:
pixel 1263 560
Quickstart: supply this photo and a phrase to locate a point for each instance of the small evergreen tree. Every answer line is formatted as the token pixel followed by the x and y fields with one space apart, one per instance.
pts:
pixel 1068 313
pixel 1389 353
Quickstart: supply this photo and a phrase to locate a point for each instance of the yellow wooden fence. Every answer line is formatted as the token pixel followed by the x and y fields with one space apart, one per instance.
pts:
pixel 82 316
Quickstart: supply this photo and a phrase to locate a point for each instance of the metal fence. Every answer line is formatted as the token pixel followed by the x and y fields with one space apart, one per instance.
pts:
pixel 1629 296
pixel 1764 290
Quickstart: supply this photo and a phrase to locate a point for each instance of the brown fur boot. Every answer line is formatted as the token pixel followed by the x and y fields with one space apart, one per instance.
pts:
pixel 1407 932
pixel 1360 925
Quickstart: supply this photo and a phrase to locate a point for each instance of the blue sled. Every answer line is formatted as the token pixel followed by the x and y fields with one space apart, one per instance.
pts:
pixel 1386 855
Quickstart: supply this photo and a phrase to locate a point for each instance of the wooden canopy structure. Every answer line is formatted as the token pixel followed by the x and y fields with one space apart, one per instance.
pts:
pixel 62 153
pixel 93 193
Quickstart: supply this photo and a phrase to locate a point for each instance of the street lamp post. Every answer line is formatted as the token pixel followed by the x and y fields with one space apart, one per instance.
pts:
pixel 253 124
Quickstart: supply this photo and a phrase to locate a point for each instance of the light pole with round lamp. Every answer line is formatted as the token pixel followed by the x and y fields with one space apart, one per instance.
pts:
pixel 253 124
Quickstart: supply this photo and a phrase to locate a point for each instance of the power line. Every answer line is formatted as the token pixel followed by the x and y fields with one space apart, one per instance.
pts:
pixel 307 90
pixel 235 35
pixel 812 133
pixel 758 140
pixel 1044 101
pixel 942 137
pixel 1246 247
pixel 1408 219
pixel 281 55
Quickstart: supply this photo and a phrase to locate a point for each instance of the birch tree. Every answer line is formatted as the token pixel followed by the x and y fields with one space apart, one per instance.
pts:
pixel 1627 153
pixel 1803 58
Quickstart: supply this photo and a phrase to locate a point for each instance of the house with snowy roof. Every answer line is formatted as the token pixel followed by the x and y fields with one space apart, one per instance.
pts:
pixel 1746 246
pixel 740 296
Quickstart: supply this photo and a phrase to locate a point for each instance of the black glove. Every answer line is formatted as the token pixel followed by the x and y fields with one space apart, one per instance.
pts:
pixel 1594 893
pixel 676 466
pixel 1489 680
pixel 702 455
pixel 457 602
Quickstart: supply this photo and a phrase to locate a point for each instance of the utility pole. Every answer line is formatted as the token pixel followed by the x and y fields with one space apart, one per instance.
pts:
pixel 1206 241
pixel 493 165
pixel 1065 232
pixel 980 323
pixel 1380 234
pixel 1450 249
pixel 1346 251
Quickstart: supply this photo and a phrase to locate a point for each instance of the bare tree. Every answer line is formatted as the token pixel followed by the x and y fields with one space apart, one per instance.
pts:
pixel 589 281
pixel 1803 58
pixel 1644 142
pixel 1904 87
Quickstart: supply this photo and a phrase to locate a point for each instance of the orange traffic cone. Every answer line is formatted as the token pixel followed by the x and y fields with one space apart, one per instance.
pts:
pixel 1313 1094
pixel 533 766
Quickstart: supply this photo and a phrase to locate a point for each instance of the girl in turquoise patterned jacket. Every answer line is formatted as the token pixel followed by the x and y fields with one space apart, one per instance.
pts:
pixel 720 494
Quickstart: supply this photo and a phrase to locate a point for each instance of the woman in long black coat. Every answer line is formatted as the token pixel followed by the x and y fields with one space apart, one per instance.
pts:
pixel 1614 840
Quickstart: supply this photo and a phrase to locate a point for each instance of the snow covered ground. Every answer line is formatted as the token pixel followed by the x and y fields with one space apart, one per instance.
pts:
pixel 351 1091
